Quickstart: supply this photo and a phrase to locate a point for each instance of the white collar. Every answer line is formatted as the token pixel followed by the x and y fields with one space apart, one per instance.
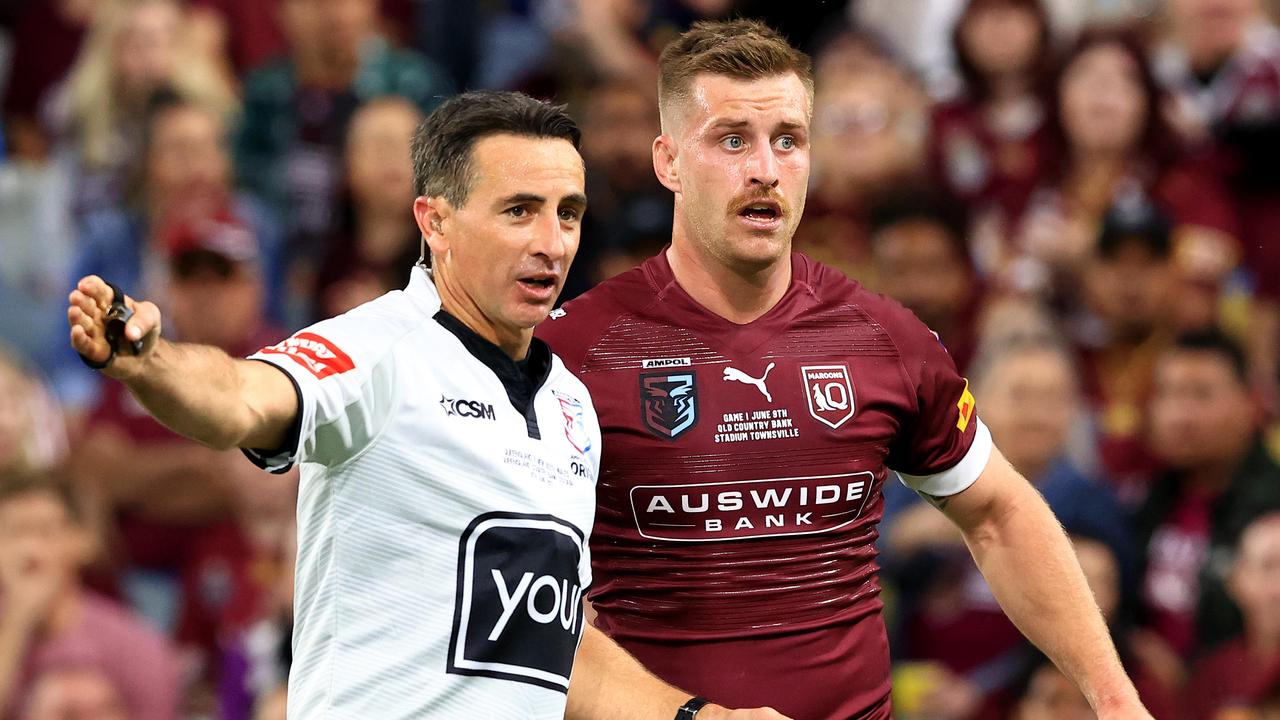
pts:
pixel 422 290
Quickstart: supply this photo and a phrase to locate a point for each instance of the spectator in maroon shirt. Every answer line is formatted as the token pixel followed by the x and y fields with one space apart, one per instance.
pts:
pixel 1204 427
pixel 249 29
pixel 1222 62
pixel 986 147
pixel 47 618
pixel 1114 148
pixel 1227 676
pixel 1127 286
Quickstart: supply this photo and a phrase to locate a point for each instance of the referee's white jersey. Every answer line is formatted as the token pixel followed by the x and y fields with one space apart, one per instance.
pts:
pixel 443 516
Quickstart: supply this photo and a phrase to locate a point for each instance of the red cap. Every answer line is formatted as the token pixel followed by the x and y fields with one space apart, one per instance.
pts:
pixel 220 232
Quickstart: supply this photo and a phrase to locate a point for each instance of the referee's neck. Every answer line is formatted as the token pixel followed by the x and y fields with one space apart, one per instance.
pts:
pixel 513 341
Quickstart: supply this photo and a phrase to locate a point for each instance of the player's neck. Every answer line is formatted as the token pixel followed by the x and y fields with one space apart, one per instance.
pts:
pixel 739 296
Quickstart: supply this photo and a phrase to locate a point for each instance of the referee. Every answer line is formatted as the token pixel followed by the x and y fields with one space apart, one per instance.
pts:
pixel 448 458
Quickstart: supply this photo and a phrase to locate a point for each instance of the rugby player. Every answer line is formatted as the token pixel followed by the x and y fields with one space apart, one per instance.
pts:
pixel 754 403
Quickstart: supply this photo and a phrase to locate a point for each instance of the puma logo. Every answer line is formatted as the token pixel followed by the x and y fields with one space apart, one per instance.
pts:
pixel 736 375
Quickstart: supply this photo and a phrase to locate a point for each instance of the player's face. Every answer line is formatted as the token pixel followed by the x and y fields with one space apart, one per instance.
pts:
pixel 741 166
pixel 506 250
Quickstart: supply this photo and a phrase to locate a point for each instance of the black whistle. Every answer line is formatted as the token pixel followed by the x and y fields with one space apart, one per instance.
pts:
pixel 116 319
pixel 114 323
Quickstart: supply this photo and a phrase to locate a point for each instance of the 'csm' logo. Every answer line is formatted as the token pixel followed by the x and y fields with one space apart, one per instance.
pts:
pixel 466 408
pixel 518 612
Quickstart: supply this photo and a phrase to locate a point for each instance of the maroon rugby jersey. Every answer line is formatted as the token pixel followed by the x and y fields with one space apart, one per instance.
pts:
pixel 740 487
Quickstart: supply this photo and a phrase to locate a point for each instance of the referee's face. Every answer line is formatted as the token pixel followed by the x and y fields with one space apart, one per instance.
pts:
pixel 501 257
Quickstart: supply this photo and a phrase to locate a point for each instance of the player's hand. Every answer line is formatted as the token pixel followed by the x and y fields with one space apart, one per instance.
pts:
pixel 86 312
pixel 716 712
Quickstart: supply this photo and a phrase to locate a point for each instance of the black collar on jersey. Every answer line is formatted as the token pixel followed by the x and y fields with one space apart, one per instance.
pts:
pixel 521 378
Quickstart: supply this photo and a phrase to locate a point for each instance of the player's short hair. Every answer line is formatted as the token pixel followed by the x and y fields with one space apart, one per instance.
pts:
pixel 443 142
pixel 19 484
pixel 740 49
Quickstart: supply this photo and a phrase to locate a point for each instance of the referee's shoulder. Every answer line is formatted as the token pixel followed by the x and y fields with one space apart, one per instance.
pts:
pixel 372 330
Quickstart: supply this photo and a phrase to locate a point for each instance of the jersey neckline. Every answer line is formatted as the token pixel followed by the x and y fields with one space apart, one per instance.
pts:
pixel 521 379
pixel 671 300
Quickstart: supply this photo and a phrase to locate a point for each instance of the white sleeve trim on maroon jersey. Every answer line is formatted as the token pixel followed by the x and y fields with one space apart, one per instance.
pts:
pixel 961 475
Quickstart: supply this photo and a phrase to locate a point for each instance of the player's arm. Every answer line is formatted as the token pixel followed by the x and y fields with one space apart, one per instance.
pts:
pixel 196 390
pixel 609 684
pixel 1033 572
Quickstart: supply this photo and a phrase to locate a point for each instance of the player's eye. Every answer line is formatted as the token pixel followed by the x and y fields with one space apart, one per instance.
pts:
pixel 733 142
pixel 518 211
pixel 786 142
pixel 569 214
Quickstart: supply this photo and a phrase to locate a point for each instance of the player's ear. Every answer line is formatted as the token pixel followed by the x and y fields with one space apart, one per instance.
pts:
pixel 666 164
pixel 432 214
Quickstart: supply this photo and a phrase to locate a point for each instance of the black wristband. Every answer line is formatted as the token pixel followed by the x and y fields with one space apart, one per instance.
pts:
pixel 690 709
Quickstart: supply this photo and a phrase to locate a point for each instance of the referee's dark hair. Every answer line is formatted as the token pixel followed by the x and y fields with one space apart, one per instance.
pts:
pixel 443 142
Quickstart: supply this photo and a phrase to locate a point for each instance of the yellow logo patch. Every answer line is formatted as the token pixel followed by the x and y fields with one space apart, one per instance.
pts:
pixel 965 405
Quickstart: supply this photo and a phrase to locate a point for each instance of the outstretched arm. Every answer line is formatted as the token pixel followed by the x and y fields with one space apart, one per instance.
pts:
pixel 609 684
pixel 1032 570
pixel 196 390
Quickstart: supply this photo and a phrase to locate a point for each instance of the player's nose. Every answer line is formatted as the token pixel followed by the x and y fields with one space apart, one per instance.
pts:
pixel 762 166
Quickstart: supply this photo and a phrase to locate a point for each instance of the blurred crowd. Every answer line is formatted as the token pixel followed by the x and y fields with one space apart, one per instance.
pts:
pixel 1081 197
